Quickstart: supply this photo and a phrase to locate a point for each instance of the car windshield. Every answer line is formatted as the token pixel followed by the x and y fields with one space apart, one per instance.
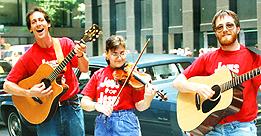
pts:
pixel 164 71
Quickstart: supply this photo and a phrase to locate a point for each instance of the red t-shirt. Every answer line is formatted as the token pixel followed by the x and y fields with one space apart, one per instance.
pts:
pixel 239 62
pixel 103 88
pixel 27 65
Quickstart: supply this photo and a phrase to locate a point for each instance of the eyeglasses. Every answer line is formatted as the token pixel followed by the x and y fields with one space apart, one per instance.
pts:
pixel 116 55
pixel 220 28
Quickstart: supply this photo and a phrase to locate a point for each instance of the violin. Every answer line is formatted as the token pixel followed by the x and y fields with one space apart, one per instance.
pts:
pixel 136 79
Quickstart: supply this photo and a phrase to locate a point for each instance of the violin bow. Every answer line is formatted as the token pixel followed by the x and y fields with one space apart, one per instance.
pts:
pixel 135 64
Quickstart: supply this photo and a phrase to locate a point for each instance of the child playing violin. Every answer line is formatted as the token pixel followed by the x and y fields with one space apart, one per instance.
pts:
pixel 116 116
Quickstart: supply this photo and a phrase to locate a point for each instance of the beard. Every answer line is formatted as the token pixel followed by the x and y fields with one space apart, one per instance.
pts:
pixel 227 39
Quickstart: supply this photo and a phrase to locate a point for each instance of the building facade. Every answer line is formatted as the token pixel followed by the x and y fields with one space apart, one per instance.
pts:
pixel 168 24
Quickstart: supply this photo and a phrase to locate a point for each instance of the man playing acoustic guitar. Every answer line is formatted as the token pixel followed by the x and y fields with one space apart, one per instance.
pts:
pixel 237 60
pixel 68 118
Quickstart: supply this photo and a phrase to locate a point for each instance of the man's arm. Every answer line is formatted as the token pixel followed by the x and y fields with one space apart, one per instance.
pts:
pixel 182 84
pixel 83 61
pixel 37 90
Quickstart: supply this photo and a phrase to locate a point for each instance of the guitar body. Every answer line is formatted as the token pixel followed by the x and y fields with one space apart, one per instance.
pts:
pixel 200 121
pixel 33 111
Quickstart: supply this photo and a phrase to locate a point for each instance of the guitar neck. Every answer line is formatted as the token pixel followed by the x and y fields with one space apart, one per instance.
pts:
pixel 237 80
pixel 61 66
pixel 89 35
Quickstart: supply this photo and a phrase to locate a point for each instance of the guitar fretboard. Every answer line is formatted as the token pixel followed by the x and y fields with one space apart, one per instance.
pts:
pixel 61 66
pixel 90 35
pixel 240 79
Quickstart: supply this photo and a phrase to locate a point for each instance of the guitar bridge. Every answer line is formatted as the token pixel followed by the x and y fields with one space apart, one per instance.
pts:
pixel 37 100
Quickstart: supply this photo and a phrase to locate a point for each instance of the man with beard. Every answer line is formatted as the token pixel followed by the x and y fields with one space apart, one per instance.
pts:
pixel 68 119
pixel 238 59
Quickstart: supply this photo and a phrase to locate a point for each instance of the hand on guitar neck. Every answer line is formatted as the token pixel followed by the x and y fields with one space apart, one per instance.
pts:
pixel 79 49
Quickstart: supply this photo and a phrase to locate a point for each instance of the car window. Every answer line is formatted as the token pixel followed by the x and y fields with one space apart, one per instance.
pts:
pixel 84 76
pixel 183 65
pixel 1 70
pixel 92 69
pixel 166 71
pixel 5 67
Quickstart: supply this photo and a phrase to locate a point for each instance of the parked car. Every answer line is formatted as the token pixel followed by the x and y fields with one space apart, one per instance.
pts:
pixel 159 119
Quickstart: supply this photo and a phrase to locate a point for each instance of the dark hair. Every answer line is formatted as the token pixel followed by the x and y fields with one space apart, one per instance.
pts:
pixel 114 42
pixel 37 9
pixel 222 13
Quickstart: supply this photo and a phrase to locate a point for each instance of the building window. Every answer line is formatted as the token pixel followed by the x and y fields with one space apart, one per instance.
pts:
pixel 150 44
pixel 246 9
pixel 250 37
pixel 10 14
pixel 146 14
pixel 120 16
pixel 208 10
pixel 60 12
pixel 175 13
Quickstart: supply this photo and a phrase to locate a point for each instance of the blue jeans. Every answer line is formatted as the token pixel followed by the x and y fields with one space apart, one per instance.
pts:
pixel 67 121
pixel 120 123
pixel 235 129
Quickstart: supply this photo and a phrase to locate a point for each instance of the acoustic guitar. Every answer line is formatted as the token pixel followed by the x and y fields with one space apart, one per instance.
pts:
pixel 36 110
pixel 198 115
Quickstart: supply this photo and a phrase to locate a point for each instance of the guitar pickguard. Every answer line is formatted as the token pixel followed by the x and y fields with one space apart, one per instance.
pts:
pixel 209 104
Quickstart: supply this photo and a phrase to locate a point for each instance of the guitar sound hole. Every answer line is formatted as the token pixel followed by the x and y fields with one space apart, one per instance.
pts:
pixel 209 104
pixel 216 89
pixel 46 82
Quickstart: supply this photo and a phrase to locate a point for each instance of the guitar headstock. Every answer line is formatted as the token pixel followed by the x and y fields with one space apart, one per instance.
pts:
pixel 91 34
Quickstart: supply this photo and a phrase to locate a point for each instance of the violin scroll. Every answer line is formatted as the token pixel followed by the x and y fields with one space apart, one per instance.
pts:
pixel 163 96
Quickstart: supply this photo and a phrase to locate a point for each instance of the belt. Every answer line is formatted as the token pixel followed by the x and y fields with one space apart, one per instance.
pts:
pixel 71 101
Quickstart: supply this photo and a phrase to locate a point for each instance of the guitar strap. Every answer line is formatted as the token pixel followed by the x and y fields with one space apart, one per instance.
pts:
pixel 58 51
